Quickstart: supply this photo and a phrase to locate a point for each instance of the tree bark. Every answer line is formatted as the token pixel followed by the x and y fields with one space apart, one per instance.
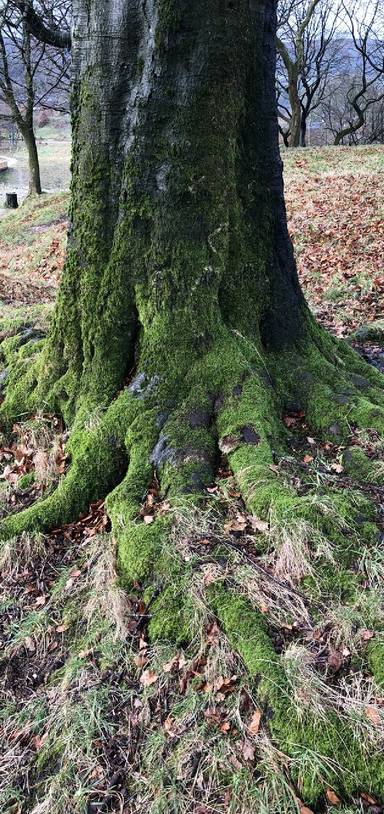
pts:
pixel 294 99
pixel 183 180
pixel 33 161
pixel 11 201
pixel 303 130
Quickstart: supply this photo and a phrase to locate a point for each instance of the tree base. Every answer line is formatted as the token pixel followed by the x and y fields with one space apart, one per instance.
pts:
pixel 233 402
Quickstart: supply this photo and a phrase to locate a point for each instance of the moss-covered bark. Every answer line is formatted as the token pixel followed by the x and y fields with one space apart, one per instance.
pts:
pixel 180 328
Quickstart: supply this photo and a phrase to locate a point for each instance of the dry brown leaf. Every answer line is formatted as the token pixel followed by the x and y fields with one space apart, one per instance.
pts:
pixel 335 660
pixel 259 525
pixel 289 421
pixel 332 797
pixel 140 660
pixel 248 751
pixel 254 725
pixel 30 644
pixel 168 724
pixel 368 798
pixel 239 523
pixel 366 635
pixel 148 678
pixel 168 667
pixel 373 715
pixel 337 468
pixel 62 628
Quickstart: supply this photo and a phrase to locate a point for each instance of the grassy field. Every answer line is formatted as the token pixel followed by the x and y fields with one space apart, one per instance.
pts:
pixel 95 717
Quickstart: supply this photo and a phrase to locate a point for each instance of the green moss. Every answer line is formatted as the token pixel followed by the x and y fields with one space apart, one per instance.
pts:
pixel 173 615
pixel 26 480
pixel 360 467
pixel 375 656
pixel 98 460
pixel 140 548
pixel 321 752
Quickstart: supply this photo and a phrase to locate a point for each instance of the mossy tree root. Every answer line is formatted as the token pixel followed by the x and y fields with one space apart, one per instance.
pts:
pixel 231 401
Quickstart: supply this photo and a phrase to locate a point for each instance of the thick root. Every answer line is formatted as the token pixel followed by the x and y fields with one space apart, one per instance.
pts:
pixel 98 461
pixel 233 404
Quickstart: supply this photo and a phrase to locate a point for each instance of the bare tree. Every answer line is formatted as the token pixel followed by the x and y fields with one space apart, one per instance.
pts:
pixel 364 88
pixel 306 59
pixel 33 74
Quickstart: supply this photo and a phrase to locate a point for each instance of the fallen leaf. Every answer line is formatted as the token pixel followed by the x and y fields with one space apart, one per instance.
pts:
pixel 148 678
pixel 168 724
pixel 238 524
pixel 368 798
pixel 168 667
pixel 337 468
pixel 289 421
pixel 366 635
pixel 62 628
pixel 307 459
pixel 30 644
pixel 259 525
pixel 332 797
pixel 148 518
pixel 373 715
pixel 140 660
pixel 229 443
pixel 335 660
pixel 254 725
pixel 248 751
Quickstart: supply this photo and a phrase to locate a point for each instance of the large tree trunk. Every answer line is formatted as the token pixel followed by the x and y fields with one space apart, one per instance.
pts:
pixel 180 328
pixel 178 223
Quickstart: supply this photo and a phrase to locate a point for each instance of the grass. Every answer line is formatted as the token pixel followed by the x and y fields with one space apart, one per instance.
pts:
pixel 32 247
pixel 97 718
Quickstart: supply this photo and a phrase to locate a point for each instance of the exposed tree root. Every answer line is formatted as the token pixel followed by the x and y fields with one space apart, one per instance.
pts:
pixel 231 401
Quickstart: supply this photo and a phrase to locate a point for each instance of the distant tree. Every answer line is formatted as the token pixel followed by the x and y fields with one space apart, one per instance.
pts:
pixel 33 74
pixel 348 111
pixel 306 59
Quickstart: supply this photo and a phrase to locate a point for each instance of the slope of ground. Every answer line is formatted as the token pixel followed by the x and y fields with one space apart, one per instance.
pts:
pixel 95 717
pixel 336 218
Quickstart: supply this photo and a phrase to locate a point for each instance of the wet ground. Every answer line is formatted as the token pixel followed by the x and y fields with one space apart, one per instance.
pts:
pixel 54 166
